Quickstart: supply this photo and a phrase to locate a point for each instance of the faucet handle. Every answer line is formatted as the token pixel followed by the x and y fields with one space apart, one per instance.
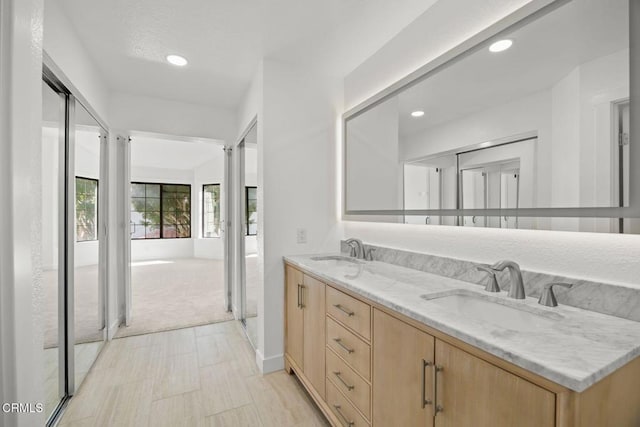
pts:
pixel 370 252
pixel 492 282
pixel 548 297
pixel 352 251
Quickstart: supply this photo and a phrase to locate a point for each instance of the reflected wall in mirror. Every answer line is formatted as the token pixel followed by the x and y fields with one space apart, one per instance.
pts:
pixel 542 124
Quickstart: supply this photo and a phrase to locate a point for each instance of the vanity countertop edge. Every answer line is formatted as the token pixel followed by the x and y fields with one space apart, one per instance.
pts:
pixel 582 348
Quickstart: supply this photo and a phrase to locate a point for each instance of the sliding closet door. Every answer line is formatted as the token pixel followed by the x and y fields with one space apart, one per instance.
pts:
pixel 73 251
pixel 52 246
pixel 89 269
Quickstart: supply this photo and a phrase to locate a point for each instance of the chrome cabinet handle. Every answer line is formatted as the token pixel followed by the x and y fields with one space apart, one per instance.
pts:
pixel 425 401
pixel 436 369
pixel 300 296
pixel 344 347
pixel 345 419
pixel 344 310
pixel 344 383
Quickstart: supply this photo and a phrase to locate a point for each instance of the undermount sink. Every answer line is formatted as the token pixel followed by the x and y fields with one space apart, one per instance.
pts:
pixel 497 311
pixel 337 259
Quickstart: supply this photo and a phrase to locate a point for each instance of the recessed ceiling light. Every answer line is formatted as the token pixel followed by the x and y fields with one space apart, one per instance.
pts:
pixel 178 60
pixel 501 45
pixel 417 113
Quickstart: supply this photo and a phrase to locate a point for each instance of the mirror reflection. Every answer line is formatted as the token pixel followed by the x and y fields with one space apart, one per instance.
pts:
pixel 537 117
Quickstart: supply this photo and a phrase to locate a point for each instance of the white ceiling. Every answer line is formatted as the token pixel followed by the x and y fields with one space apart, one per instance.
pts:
pixel 224 40
pixel 543 52
pixel 162 153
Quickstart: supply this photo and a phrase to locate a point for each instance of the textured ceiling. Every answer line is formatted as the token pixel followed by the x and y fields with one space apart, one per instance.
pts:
pixel 224 40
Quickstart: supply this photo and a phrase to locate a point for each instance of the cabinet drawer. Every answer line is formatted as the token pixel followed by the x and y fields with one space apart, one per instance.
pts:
pixel 343 409
pixel 350 311
pixel 352 349
pixel 349 383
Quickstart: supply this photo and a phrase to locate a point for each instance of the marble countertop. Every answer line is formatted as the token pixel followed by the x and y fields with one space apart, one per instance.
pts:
pixel 569 346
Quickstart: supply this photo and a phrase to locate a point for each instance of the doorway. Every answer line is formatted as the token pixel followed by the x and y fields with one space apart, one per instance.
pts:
pixel 176 233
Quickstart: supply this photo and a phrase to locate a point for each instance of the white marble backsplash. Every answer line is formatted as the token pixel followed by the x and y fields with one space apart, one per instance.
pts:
pixel 614 300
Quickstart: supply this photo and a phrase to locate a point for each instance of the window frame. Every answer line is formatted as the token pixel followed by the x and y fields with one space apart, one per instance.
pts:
pixel 161 224
pixel 203 211
pixel 246 208
pixel 97 225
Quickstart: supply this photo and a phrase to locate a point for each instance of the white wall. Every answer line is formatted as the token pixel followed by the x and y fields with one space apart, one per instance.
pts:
pixel 66 49
pixel 21 337
pixel 296 178
pixel 298 175
pixel 607 257
pixel 146 114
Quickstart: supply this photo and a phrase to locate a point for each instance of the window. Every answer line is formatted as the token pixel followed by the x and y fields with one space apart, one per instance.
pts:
pixel 86 209
pixel 211 210
pixel 251 199
pixel 160 211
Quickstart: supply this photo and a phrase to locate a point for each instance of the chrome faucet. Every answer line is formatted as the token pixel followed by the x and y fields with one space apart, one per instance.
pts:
pixel 357 248
pixel 516 290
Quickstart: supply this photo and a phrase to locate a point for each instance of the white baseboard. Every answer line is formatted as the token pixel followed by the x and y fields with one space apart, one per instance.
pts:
pixel 270 364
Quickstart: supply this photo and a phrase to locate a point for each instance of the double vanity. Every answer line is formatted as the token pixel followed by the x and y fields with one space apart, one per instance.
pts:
pixel 378 344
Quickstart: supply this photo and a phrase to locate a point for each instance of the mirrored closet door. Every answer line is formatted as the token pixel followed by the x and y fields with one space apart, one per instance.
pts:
pixel 73 249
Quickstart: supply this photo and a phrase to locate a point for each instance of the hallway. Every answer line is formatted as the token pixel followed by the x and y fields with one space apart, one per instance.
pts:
pixel 202 376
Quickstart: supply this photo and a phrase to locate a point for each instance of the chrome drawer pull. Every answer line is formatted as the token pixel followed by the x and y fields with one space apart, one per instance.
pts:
pixel 344 383
pixel 344 347
pixel 344 310
pixel 339 412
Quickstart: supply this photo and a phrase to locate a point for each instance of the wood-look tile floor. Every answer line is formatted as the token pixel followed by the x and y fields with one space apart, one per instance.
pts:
pixel 201 376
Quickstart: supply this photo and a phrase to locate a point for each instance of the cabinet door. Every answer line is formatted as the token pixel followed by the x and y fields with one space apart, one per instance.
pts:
pixel 313 301
pixel 402 373
pixel 475 393
pixel 294 315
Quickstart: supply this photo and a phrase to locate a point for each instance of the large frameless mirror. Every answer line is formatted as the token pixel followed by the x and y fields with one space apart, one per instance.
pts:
pixel 529 128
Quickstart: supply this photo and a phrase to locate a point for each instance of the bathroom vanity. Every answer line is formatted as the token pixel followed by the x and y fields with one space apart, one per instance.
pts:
pixel 377 344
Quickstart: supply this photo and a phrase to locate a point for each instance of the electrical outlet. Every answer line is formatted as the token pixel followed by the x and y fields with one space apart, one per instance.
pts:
pixel 301 234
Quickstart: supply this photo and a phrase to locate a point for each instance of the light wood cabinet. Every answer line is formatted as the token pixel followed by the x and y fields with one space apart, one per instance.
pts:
pixel 305 328
pixel 294 315
pixel 343 410
pixel 313 303
pixel 474 393
pixel 353 386
pixel 422 381
pixel 402 373
pixel 349 311
pixel 365 364
pixel 349 347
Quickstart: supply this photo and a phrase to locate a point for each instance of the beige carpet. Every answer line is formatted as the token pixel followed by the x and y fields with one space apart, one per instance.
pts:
pixel 175 293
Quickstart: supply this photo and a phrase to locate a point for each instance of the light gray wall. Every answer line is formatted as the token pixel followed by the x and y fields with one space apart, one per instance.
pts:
pixel 21 370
